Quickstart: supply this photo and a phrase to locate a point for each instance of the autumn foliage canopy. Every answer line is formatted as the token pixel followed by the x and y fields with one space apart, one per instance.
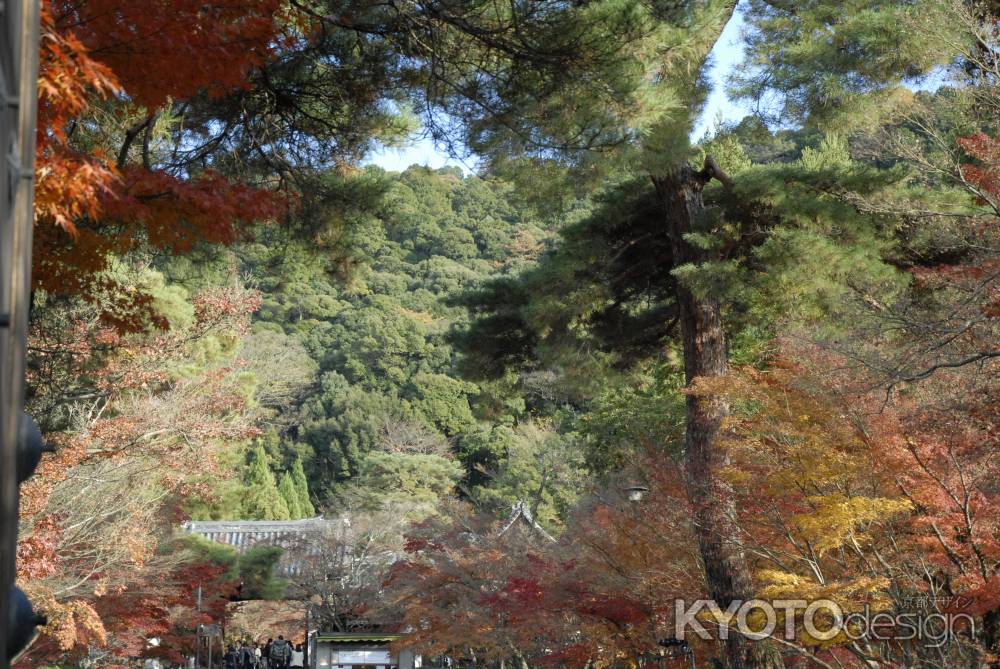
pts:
pixel 106 71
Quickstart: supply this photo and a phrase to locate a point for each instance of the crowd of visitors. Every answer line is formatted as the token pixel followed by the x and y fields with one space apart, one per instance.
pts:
pixel 275 654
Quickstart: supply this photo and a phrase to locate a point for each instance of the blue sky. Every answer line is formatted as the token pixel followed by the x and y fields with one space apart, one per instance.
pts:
pixel 421 151
pixel 727 52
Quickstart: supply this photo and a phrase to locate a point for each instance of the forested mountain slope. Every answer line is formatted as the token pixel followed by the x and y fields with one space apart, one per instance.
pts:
pixel 364 388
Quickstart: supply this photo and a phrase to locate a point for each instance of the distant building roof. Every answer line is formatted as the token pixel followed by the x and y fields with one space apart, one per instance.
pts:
pixel 245 534
pixel 242 534
pixel 520 514
pixel 351 637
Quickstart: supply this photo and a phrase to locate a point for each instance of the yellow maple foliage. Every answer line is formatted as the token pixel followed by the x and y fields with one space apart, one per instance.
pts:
pixel 814 505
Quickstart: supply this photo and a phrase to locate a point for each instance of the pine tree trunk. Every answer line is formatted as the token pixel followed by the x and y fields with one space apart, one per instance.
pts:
pixel 991 636
pixel 704 341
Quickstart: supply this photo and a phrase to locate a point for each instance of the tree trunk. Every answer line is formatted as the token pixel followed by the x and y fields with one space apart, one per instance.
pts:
pixel 704 341
pixel 991 636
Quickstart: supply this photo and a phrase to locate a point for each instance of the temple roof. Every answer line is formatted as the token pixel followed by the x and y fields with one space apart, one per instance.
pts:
pixel 520 513
pixel 242 534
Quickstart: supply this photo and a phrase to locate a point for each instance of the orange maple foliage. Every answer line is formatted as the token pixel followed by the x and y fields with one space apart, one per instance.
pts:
pixel 602 594
pixel 162 49
pixel 878 504
pixel 68 183
pixel 93 515
pixel 984 176
pixel 136 57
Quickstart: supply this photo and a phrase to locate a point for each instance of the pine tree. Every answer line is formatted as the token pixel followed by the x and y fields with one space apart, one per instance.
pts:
pixel 302 488
pixel 658 95
pixel 842 65
pixel 290 496
pixel 658 101
pixel 262 500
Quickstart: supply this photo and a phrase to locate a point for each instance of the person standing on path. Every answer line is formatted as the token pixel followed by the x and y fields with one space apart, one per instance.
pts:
pixel 267 653
pixel 248 658
pixel 231 658
pixel 297 658
pixel 281 653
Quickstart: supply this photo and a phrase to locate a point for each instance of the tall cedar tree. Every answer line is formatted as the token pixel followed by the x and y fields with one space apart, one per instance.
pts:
pixel 263 500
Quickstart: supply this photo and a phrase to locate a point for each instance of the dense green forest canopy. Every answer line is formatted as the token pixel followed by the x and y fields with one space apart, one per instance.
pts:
pixel 368 399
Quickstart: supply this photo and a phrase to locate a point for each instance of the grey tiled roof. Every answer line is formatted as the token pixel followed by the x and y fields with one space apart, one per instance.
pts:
pixel 244 534
pixel 241 534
